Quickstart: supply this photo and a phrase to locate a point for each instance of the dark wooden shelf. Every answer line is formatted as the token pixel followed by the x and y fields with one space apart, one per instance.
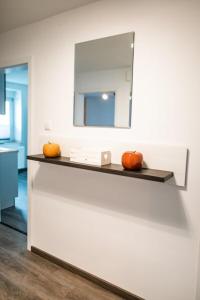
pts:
pixel 115 169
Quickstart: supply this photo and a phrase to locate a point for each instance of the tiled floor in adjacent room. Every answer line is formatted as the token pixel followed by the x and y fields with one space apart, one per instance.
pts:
pixel 16 216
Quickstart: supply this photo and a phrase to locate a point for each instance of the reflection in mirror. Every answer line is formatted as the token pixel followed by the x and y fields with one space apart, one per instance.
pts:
pixel 103 82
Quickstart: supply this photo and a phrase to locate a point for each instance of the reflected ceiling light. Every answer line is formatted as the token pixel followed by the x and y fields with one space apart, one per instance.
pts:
pixel 104 96
pixel 132 45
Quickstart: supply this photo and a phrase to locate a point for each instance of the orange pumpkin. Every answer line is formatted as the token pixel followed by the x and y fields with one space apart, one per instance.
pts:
pixel 51 150
pixel 132 160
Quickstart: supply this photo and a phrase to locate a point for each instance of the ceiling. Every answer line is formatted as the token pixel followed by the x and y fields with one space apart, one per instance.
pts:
pixel 16 13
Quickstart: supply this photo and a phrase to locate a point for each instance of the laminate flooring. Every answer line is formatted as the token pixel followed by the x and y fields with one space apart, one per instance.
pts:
pixel 27 276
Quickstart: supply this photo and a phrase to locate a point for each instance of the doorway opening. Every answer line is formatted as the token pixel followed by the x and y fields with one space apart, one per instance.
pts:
pixel 13 146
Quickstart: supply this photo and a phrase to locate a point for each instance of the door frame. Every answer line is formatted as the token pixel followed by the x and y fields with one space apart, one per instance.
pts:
pixel 11 63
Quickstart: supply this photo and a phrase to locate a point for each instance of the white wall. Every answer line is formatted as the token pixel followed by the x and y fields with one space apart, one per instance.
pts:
pixel 142 236
pixel 107 81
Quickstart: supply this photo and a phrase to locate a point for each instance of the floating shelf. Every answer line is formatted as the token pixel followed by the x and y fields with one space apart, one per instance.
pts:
pixel 115 169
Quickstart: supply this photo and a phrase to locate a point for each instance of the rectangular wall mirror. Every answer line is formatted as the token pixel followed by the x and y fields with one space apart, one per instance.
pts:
pixel 103 82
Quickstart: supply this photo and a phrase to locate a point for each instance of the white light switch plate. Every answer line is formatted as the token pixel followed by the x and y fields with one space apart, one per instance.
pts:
pixel 48 125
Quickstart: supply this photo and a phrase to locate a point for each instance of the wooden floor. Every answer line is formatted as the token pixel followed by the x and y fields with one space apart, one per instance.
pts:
pixel 26 276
